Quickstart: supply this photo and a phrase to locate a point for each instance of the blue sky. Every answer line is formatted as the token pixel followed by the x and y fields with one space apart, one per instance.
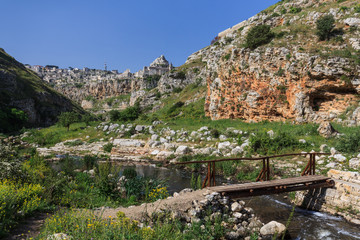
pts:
pixel 125 34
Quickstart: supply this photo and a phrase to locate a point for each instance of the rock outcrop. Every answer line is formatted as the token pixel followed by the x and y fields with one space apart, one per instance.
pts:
pixel 343 199
pixel 293 77
pixel 22 89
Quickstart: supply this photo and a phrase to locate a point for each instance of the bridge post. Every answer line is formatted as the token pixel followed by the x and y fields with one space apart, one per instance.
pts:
pixel 210 175
pixel 310 167
pixel 264 174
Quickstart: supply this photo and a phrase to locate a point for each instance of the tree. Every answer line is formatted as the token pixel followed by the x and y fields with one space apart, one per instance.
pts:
pixel 68 118
pixel 324 26
pixel 259 35
pixel 87 118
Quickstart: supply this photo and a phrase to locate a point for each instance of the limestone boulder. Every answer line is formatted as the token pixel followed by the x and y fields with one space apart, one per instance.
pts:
pixel 327 130
pixel 272 228
pixel 181 150
pixel 128 143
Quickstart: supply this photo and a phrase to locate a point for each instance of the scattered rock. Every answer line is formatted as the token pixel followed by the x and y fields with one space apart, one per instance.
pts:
pixel 58 236
pixel 326 130
pixel 182 150
pixel 272 228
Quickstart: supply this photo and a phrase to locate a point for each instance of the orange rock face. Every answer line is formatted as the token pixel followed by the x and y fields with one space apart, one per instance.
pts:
pixel 272 88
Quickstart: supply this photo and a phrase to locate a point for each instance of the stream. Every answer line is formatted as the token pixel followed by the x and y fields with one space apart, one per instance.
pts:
pixel 304 225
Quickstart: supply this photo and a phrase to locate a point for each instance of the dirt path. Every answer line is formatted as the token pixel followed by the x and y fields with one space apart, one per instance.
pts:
pixel 181 202
pixel 28 228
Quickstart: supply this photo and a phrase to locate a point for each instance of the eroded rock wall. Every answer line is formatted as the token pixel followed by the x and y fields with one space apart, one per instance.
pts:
pixel 343 199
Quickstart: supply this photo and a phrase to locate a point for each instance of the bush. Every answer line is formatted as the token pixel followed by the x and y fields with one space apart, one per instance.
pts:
pixel 12 119
pixel 215 133
pixel 18 200
pixel 262 143
pixel 107 147
pixel 90 162
pixel 295 9
pixel 180 75
pixel 129 173
pixel 10 164
pixel 349 143
pixel 357 8
pixel 174 107
pixel 68 118
pixel 129 114
pixel 259 35
pixel 324 26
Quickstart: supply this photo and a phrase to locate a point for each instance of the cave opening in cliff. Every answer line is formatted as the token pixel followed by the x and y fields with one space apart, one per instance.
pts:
pixel 332 99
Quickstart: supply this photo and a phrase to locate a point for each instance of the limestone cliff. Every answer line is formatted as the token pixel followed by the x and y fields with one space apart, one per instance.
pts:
pixel 295 76
pixel 22 89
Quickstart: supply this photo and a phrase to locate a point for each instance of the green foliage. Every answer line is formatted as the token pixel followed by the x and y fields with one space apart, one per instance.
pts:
pixel 18 200
pixel 247 172
pixel 295 10
pixel 259 35
pixel 129 173
pixel 12 119
pixel 88 225
pixel 357 8
pixel 90 162
pixel 68 118
pixel 180 75
pixel 77 142
pixel 349 143
pixel 324 26
pixel 152 78
pixel 227 57
pixel 108 147
pixel 129 114
pixel 215 133
pixel 174 107
pixel 262 143
pixel 280 72
pixel 10 163
pixel 87 118
pixel 177 89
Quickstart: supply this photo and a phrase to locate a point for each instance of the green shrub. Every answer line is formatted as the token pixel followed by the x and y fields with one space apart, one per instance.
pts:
pixel 107 147
pixel 324 26
pixel 174 107
pixel 68 118
pixel 90 162
pixel 180 75
pixel 349 143
pixel 18 200
pixel 262 143
pixel 295 9
pixel 227 57
pixel 10 164
pixel 129 173
pixel 12 119
pixel 259 35
pixel 177 89
pixel 215 133
pixel 129 114
pixel 357 8
pixel 77 142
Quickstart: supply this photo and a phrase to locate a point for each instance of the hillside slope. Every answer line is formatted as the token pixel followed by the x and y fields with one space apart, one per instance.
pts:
pixel 23 90
pixel 294 76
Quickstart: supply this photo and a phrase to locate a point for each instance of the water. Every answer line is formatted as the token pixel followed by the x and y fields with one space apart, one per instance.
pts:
pixel 305 224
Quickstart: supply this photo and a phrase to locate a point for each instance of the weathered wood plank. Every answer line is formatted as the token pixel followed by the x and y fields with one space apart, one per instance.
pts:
pixel 271 184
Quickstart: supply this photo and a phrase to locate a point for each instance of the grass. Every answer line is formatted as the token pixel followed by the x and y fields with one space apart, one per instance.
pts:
pixel 55 134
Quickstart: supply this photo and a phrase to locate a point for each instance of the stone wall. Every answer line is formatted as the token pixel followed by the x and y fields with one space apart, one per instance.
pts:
pixel 343 199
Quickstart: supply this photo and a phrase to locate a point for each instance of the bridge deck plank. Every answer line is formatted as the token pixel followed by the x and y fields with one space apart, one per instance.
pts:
pixel 270 184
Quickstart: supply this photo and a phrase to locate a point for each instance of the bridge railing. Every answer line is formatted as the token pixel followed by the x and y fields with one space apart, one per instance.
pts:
pixel 264 174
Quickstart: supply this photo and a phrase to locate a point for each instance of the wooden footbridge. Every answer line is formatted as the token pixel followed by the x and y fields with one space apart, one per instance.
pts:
pixel 264 185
